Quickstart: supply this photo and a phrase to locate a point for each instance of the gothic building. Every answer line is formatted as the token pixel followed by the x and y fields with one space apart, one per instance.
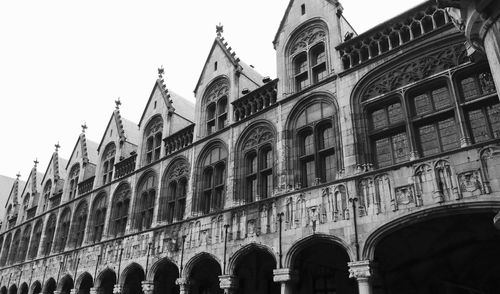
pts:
pixel 370 164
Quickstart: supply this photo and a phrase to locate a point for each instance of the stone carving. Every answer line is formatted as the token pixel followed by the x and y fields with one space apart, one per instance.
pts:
pixel 365 195
pixel 360 269
pixel 307 38
pixel 445 183
pixel 216 90
pixel 470 182
pixel 179 169
pixel 405 195
pixel 257 136
pixel 156 125
pixel 416 70
pixel 341 211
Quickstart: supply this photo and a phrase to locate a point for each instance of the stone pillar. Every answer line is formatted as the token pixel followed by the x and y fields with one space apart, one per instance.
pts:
pixel 118 289
pixel 362 272
pixel 148 287
pixel 73 291
pixel 95 290
pixel 228 283
pixel 183 285
pixel 57 292
pixel 286 277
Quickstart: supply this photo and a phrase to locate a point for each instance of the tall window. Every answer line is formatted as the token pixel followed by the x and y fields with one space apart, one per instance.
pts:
pixel 47 190
pixel 173 191
pixel 5 249
pixel 23 247
pixel 98 217
pixel 108 163
pixel 308 58
pixel 35 240
pixel 256 163
pixel 316 144
pixel 215 104
pixel 73 180
pixel 152 139
pixel 15 246
pixel 79 223
pixel 63 230
pixel 119 212
pixel 146 195
pixel 212 179
pixel 49 234
pixel 26 203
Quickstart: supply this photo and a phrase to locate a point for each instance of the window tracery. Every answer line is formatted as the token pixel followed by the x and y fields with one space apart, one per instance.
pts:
pixel 146 195
pixel 63 230
pixel 49 234
pixel 47 191
pixel 79 223
pixel 35 240
pixel 98 217
pixel 119 213
pixel 173 191
pixel 73 180
pixel 108 163
pixel 215 105
pixel 152 140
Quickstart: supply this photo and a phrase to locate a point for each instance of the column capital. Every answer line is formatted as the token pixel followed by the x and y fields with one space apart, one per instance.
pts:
pixel 148 287
pixel 182 281
pixel 228 282
pixel 360 269
pixel 117 289
pixel 73 291
pixel 57 292
pixel 284 275
pixel 95 290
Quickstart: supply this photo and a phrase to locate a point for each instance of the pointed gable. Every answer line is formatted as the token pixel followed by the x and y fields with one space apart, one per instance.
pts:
pixel 32 187
pixel 119 130
pixel 55 172
pixel 159 100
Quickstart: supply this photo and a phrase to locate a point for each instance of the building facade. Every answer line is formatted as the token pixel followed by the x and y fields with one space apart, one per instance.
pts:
pixel 371 164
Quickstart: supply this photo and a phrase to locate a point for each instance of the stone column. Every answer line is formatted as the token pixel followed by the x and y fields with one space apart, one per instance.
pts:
pixel 57 292
pixel 286 277
pixel 118 289
pixel 73 291
pixel 362 272
pixel 183 285
pixel 95 290
pixel 148 287
pixel 228 283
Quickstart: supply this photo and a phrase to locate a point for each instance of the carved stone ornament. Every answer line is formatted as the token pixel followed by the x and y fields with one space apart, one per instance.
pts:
pixel 148 287
pixel 416 70
pixel 155 126
pixel 216 90
pixel 284 275
pixel 257 136
pixel 470 181
pixel 405 195
pixel 307 38
pixel 228 282
pixel 360 269
pixel 181 168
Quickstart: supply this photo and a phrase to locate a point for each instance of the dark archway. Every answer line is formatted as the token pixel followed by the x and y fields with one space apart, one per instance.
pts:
pixel 13 289
pixel 106 281
pixel 204 277
pixel 254 270
pixel 50 286
pixel 134 275
pixel 66 284
pixel 84 283
pixel 36 288
pixel 322 268
pixel 164 278
pixel 23 289
pixel 3 290
pixel 450 254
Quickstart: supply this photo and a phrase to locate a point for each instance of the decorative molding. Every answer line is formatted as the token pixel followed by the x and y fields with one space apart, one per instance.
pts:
pixel 307 38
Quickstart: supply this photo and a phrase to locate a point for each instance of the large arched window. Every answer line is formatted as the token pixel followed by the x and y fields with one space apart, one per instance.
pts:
pixel 63 230
pixel 79 223
pixel 108 163
pixel 152 140
pixel 211 179
pixel 15 246
pixel 119 210
pixel 307 56
pixel 73 180
pixel 317 141
pixel 23 247
pixel 50 229
pixel 146 195
pixel 98 217
pixel 215 104
pixel 35 239
pixel 5 249
pixel 47 191
pixel 174 188
pixel 255 163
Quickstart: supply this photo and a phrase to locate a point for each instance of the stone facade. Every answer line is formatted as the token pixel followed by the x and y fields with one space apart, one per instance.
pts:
pixel 361 168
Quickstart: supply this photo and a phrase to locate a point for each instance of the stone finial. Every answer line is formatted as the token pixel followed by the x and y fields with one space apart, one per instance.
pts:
pixel 118 103
pixel 161 71
pixel 84 127
pixel 219 29
pixel 18 175
pixel 35 161
pixel 57 146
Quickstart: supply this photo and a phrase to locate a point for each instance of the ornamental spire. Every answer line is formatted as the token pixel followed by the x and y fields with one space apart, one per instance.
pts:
pixel 161 71
pixel 219 29
pixel 118 103
pixel 57 146
pixel 84 127
pixel 35 161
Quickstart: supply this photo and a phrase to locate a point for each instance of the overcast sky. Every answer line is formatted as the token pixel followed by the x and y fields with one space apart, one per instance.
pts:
pixel 63 63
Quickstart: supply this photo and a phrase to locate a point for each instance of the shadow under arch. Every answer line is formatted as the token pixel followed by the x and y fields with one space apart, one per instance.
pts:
pixel 128 270
pixel 105 280
pixel 49 286
pixel 84 282
pixel 196 259
pixel 36 287
pixel 13 289
pixel 23 289
pixel 65 284
pixel 243 251
pixel 164 274
pixel 157 265
pixel 204 270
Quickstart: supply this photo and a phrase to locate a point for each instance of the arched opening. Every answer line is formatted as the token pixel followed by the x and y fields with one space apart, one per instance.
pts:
pixel 13 289
pixel 3 290
pixel 86 283
pixel 204 277
pixel 106 281
pixel 134 276
pixel 66 284
pixel 36 288
pixel 165 277
pixel 322 273
pixel 50 286
pixel 23 289
pixel 255 273
pixel 452 254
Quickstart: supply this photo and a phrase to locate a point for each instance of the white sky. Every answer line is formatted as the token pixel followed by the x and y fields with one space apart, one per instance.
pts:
pixel 63 63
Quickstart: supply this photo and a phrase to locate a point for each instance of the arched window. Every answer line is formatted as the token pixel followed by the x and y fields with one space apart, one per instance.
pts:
pixel 15 246
pixel 23 247
pixel 49 234
pixel 307 55
pixel 152 140
pixel 47 191
pixel 174 187
pixel 98 217
pixel 255 163
pixel 63 230
pixel 146 195
pixel 212 179
pixel 119 210
pixel 35 239
pixel 73 180
pixel 5 249
pixel 215 104
pixel 26 203
pixel 317 143
pixel 108 163
pixel 79 223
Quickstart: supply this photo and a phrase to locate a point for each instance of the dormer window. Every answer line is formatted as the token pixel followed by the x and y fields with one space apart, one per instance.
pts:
pixel 46 194
pixel 108 162
pixel 152 139
pixel 73 180
pixel 215 103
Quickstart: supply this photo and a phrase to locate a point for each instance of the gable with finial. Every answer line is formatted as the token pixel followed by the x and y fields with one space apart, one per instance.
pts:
pixel 55 171
pixel 84 152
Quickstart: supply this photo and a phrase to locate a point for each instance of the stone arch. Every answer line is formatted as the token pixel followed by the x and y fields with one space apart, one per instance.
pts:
pixel 204 270
pixel 81 278
pixel 146 192
pixel 164 274
pixel 158 264
pixel 36 287
pixel 3 290
pixel 130 268
pixel 65 284
pixel 292 253
pixel 236 257
pixel 13 289
pixel 397 223
pixel 49 286
pixel 176 173
pixel 23 289
pixel 119 217
pixel 152 135
pixel 107 271
pixel 195 259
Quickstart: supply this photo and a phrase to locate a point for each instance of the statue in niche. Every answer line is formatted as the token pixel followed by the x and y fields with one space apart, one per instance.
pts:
pixel 444 180
pixel 301 215
pixel 470 182
pixel 289 212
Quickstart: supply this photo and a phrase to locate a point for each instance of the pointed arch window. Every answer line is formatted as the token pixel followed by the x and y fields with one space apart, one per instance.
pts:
pixel 35 240
pixel 215 105
pixel 23 246
pixel 146 195
pixel 49 234
pixel 119 212
pixel 47 190
pixel 73 180
pixel 15 246
pixel 152 139
pixel 5 249
pixel 173 191
pixel 79 223
pixel 98 217
pixel 26 202
pixel 63 230
pixel 108 163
